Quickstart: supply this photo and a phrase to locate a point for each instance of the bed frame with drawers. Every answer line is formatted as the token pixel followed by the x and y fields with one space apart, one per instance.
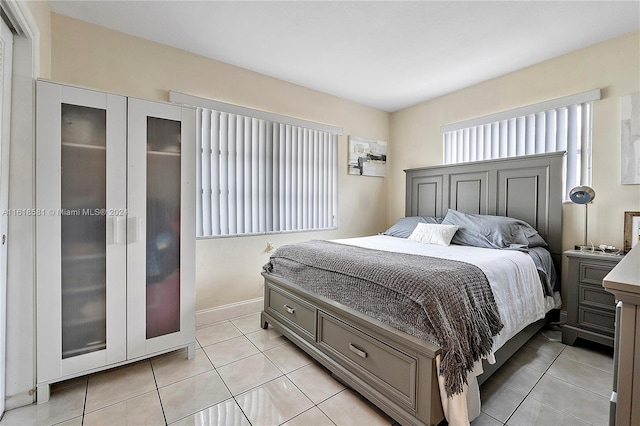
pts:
pixel 392 369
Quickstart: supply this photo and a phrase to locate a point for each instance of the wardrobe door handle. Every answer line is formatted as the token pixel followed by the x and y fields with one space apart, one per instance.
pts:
pixel 133 230
pixel 357 351
pixel 289 309
pixel 114 230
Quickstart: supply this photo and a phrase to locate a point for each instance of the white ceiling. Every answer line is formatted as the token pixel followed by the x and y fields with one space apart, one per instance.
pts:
pixel 386 54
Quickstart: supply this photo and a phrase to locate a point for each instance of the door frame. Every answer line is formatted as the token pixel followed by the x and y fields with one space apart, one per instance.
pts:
pixel 5 127
pixel 20 337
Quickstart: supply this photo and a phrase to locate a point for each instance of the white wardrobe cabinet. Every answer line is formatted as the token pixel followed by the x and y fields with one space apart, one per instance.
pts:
pixel 115 230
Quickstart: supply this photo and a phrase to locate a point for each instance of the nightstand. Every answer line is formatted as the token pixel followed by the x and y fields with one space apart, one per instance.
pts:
pixel 591 310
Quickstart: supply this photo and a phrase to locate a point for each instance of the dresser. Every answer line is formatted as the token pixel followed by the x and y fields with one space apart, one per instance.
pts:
pixel 624 282
pixel 590 309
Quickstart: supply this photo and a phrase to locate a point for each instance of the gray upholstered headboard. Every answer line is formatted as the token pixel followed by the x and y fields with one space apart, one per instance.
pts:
pixel 527 188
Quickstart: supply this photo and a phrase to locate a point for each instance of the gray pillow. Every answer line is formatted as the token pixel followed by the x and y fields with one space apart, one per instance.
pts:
pixel 405 225
pixel 491 231
pixel 536 240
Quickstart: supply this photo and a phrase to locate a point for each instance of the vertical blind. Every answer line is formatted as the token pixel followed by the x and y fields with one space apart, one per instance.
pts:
pixel 559 125
pixel 262 176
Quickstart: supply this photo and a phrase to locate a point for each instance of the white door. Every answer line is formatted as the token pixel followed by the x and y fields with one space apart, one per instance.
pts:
pixel 161 227
pixel 6 54
pixel 80 230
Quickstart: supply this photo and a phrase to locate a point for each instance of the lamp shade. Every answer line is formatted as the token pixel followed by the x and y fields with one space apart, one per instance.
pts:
pixel 582 194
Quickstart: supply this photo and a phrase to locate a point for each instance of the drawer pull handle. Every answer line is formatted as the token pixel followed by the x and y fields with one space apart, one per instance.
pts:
pixel 357 351
pixel 289 309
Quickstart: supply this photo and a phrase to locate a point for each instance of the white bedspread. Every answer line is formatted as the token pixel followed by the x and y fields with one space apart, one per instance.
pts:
pixel 516 288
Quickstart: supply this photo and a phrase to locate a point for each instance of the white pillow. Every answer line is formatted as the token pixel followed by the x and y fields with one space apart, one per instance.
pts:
pixel 431 233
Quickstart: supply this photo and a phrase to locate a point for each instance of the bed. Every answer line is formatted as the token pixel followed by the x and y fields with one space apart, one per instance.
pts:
pixel 395 367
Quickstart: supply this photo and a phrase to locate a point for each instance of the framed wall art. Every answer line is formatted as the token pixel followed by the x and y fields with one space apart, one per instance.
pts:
pixel 630 135
pixel 367 157
pixel 631 230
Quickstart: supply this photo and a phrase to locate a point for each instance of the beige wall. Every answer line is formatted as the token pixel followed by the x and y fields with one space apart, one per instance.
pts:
pixel 42 16
pixel 613 66
pixel 227 269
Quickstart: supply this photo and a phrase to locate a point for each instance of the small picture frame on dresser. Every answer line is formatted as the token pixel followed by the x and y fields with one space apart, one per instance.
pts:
pixel 631 230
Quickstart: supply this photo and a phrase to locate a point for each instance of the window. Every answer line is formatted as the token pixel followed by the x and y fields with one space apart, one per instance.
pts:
pixel 558 125
pixel 263 173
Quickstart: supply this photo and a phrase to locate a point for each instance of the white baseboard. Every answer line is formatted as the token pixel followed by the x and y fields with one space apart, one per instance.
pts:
pixel 225 312
pixel 17 401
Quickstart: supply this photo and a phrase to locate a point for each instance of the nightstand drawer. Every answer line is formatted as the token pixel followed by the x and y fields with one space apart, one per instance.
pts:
pixel 597 320
pixel 293 310
pixel 597 297
pixel 593 273
pixel 590 308
pixel 379 364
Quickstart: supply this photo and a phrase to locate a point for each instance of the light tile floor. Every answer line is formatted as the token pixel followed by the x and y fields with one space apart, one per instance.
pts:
pixel 243 375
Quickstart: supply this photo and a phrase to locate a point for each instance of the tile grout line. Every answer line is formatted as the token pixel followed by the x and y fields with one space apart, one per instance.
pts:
pixel 86 396
pixel 285 375
pixel 225 383
pixel 589 365
pixel 226 340
pixel 313 403
pixel 533 387
pixel 233 397
pixel 213 405
pixel 255 387
pixel 325 414
pixel 155 381
pixel 580 387
pixel 569 383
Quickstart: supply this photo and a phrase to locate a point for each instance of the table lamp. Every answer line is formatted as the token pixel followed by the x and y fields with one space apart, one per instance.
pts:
pixel 583 195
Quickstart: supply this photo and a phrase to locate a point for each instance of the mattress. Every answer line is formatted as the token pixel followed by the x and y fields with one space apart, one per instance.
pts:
pixel 512 275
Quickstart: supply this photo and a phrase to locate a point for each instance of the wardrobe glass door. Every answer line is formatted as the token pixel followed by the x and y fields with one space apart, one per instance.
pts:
pixel 80 236
pixel 160 227
pixel 83 229
pixel 163 227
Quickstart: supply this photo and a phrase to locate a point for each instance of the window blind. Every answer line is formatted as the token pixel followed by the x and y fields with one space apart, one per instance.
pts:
pixel 559 125
pixel 261 176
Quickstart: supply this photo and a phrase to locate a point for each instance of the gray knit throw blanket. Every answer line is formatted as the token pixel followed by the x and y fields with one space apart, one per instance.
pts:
pixel 446 302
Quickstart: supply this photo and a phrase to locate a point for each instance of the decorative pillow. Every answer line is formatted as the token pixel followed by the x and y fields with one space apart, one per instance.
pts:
pixel 431 233
pixel 405 225
pixel 490 231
